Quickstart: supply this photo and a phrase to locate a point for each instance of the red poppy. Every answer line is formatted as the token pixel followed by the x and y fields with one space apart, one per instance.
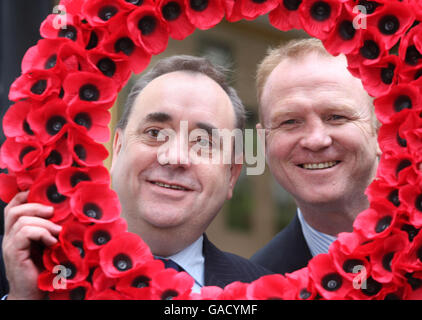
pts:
pixel 376 222
pixel 400 98
pixel 351 263
pixel 384 259
pixel 57 154
pixel 72 6
pixel 204 14
pixel 379 78
pixel 415 143
pixel 35 84
pixel 69 178
pixel 412 200
pixel 45 191
pixel 43 55
pixel 84 150
pixel 58 263
pixel 392 20
pixel 131 5
pixel 50 121
pixel 234 291
pixel 271 287
pixel 173 12
pixel 100 281
pixel 138 283
pixel 64 26
pixel 95 202
pixel 374 290
pixel 250 10
pixel 328 281
pixel 344 37
pixel 100 13
pixel 207 293
pixel 87 87
pixel 371 50
pixel 169 284
pixel 305 288
pixel 124 253
pixel 97 235
pixel 72 236
pixel 380 190
pixel 91 121
pixel 121 44
pixel 74 291
pixel 8 187
pixel 411 259
pixel 110 65
pixel 398 135
pixel 21 153
pixel 15 121
pixel 318 18
pixel 147 30
pixel 398 169
pixel 410 50
pixel 286 16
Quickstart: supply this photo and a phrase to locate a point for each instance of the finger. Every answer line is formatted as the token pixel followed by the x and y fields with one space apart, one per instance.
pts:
pixel 23 221
pixel 32 233
pixel 27 209
pixel 18 199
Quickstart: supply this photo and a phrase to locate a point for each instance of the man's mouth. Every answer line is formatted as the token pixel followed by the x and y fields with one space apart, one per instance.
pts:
pixel 169 186
pixel 319 166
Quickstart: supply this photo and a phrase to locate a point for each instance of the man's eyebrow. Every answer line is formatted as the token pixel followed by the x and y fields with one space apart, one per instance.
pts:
pixel 206 126
pixel 158 117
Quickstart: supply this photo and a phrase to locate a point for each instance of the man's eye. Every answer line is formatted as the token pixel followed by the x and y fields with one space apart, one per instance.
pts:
pixel 289 122
pixel 203 142
pixel 153 132
pixel 336 117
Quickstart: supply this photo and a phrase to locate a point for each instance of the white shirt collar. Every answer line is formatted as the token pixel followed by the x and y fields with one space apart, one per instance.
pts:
pixel 191 259
pixel 317 241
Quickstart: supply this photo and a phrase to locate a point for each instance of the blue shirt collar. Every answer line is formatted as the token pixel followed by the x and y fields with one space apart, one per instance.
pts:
pixel 317 241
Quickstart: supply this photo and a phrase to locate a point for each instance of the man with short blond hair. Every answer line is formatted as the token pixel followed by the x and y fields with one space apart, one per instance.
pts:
pixel 321 146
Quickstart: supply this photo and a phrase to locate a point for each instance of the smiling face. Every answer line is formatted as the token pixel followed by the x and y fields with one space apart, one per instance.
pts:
pixel 164 195
pixel 321 144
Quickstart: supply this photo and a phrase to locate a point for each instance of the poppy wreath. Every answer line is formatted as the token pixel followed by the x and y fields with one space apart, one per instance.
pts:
pixel 60 118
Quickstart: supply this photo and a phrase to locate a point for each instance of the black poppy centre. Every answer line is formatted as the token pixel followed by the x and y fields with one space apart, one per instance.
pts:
pixel 387 73
pixel 83 119
pixel 320 11
pixel 346 30
pixel 331 282
pixel 39 87
pixel 122 262
pixel 107 12
pixel 393 197
pixel 402 102
pixel 101 237
pixel 89 92
pixel 124 45
pixel 141 282
pixel 93 211
pixel 135 2
pixel 292 5
pixel 51 62
pixel 370 50
pixel 388 25
pixel 53 194
pixel 147 25
pixel 107 67
pixel 80 151
pixel 353 265
pixel 171 11
pixel 169 294
pixel 418 203
pixel 78 177
pixel 198 5
pixel 24 152
pixel 55 124
pixel 26 127
pixel 69 32
pixel 403 165
pixel 383 224
pixel 54 158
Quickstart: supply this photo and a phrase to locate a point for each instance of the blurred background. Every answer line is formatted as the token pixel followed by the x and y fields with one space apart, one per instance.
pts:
pixel 260 207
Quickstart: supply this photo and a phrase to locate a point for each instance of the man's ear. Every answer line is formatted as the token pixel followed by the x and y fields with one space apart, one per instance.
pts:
pixel 235 170
pixel 117 146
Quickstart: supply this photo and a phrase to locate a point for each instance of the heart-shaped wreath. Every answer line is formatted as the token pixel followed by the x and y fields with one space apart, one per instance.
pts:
pixel 72 76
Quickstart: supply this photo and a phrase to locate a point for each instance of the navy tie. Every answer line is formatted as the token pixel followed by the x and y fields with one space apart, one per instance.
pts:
pixel 168 263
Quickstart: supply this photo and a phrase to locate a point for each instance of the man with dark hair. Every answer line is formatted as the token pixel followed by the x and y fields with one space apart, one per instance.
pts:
pixel 165 173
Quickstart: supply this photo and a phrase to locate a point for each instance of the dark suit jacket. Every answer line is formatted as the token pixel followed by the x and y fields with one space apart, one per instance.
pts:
pixel 286 252
pixel 223 268
pixel 4 285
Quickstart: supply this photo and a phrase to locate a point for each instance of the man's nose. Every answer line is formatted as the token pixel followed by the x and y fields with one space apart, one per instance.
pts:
pixel 316 137
pixel 175 152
